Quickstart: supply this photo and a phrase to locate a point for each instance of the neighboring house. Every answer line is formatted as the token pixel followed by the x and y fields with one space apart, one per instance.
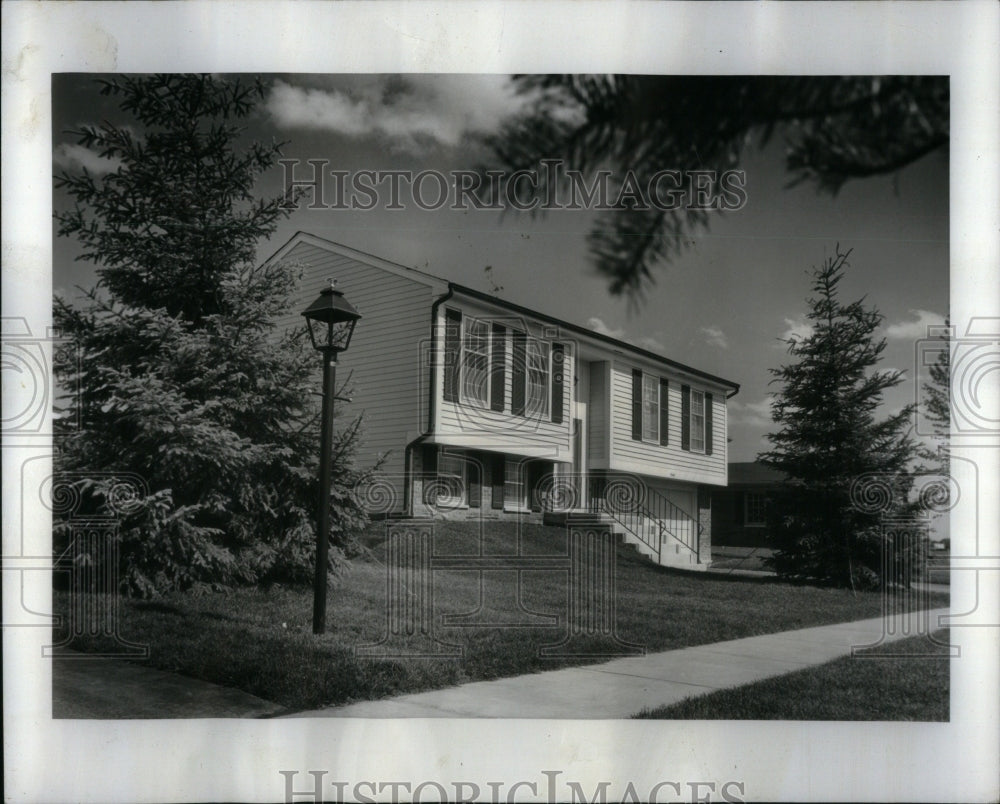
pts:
pixel 738 518
pixel 481 407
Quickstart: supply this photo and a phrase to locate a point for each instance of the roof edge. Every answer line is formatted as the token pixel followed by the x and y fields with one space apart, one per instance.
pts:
pixel 356 254
pixel 436 281
pixel 517 308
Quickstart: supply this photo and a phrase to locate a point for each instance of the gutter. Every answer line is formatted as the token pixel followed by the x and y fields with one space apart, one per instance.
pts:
pixel 576 328
pixel 431 406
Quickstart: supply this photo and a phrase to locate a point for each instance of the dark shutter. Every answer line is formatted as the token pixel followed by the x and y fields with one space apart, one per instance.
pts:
pixel 536 472
pixel 686 417
pixel 708 424
pixel 475 490
pixel 452 353
pixel 636 405
pixel 664 410
pixel 430 472
pixel 499 468
pixel 518 371
pixel 558 359
pixel 431 459
pixel 498 369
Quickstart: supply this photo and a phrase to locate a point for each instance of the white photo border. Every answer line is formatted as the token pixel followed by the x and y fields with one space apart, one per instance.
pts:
pixel 218 760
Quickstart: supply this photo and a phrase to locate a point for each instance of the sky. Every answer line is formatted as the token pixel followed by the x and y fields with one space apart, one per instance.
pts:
pixel 724 306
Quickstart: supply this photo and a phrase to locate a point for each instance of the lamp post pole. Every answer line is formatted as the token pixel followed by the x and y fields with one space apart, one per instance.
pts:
pixel 330 320
pixel 323 506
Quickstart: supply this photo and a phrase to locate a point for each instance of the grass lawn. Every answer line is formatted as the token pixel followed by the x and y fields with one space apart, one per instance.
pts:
pixel 873 687
pixel 940 571
pixel 260 640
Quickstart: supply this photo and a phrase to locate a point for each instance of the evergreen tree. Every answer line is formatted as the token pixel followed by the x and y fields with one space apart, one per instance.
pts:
pixel 830 438
pixel 184 378
pixel 937 407
pixel 838 129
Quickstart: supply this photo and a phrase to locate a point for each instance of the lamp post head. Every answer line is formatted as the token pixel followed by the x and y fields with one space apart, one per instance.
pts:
pixel 331 320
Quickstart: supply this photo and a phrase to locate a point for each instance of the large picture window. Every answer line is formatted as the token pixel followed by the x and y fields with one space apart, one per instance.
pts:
pixel 537 395
pixel 650 408
pixel 476 362
pixel 697 421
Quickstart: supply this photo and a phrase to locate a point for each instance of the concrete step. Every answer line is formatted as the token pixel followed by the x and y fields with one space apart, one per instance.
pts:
pixel 672 554
pixel 668 556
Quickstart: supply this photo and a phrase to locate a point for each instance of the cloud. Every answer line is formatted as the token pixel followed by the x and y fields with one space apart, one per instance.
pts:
pixel 73 158
pixel 646 342
pixel 714 336
pixel 410 112
pixel 797 329
pixel 601 328
pixel 914 330
pixel 651 344
pixel 754 414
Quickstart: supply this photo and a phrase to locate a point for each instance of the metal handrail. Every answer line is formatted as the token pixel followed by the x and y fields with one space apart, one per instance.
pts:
pixel 636 514
pixel 627 519
pixel 688 522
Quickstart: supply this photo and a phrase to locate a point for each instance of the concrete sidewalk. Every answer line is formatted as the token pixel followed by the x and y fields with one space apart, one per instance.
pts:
pixel 623 687
pixel 91 687
pixel 740 573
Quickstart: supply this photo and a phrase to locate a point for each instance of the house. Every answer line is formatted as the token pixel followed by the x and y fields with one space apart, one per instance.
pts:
pixel 480 407
pixel 738 509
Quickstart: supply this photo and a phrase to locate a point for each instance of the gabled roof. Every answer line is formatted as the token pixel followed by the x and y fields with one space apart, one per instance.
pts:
pixel 361 256
pixel 753 473
pixel 431 279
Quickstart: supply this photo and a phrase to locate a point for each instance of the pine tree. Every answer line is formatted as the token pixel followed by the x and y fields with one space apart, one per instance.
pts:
pixel 184 378
pixel 937 406
pixel 830 437
pixel 837 129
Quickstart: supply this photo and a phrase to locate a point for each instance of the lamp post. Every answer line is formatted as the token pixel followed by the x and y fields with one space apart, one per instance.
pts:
pixel 331 319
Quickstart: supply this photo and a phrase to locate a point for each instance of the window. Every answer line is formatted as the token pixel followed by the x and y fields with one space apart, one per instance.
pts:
pixel 753 511
pixel 537 395
pixel 650 417
pixel 475 362
pixel 697 421
pixel 451 478
pixel 513 485
pixel 650 408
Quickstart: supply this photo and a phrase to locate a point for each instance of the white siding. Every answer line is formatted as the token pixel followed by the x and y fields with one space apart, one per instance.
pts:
pixel 392 379
pixel 665 461
pixel 684 497
pixel 478 427
pixel 384 358
pixel 581 403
